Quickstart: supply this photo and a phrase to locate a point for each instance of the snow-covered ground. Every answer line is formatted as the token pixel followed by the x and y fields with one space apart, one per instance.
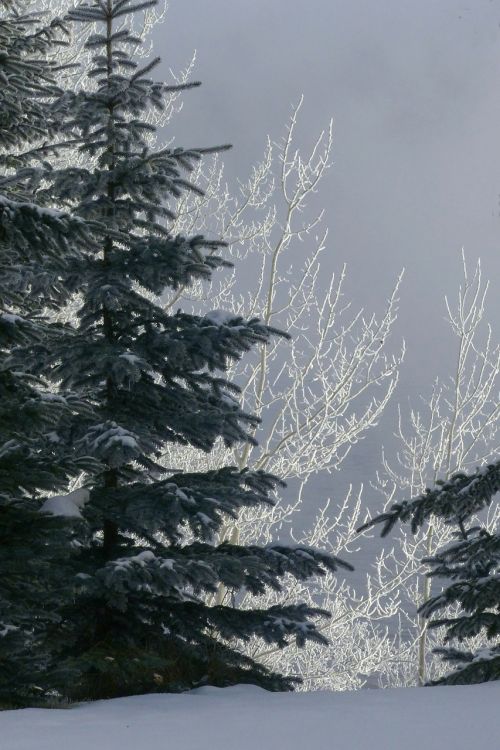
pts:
pixel 248 718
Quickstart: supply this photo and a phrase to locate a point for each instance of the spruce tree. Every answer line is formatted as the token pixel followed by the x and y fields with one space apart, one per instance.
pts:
pixel 150 561
pixel 35 250
pixel 470 566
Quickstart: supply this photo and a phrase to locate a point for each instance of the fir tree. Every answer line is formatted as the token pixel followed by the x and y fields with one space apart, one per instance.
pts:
pixel 472 564
pixel 34 457
pixel 141 621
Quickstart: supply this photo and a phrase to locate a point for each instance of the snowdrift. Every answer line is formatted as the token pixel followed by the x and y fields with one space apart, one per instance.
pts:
pixel 248 718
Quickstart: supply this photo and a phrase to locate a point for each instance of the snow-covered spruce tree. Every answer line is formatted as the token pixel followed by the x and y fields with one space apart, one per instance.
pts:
pixel 470 604
pixel 34 459
pixel 140 621
pixel 334 387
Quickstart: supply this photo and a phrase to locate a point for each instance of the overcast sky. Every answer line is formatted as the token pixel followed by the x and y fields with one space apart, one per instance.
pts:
pixel 414 90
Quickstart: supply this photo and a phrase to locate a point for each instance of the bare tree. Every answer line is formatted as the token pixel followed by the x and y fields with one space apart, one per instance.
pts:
pixel 317 394
pixel 456 429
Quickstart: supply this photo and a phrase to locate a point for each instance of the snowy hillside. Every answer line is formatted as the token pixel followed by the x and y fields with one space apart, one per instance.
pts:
pixel 248 718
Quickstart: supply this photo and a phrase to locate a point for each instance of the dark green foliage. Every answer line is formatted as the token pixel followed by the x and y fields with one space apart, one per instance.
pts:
pixel 27 79
pixel 473 567
pixel 149 561
pixel 34 563
pixel 470 566
pixel 454 500
pixel 35 423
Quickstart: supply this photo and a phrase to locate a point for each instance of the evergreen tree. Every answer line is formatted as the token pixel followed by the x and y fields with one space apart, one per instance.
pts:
pixel 141 621
pixel 34 458
pixel 470 566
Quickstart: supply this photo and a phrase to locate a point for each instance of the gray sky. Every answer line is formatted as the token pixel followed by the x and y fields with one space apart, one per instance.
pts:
pixel 414 89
